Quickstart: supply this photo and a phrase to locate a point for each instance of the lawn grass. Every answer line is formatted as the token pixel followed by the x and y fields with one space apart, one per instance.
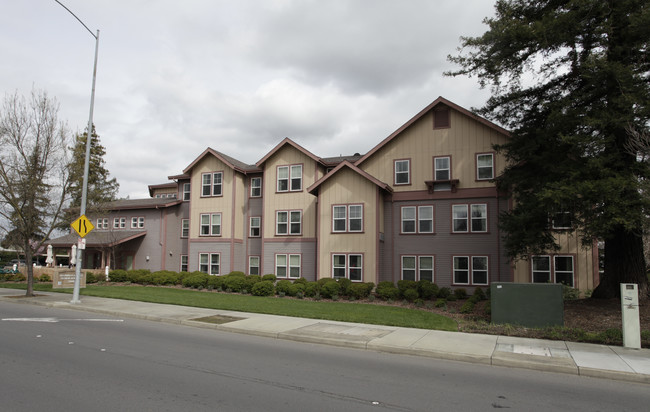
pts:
pixel 326 310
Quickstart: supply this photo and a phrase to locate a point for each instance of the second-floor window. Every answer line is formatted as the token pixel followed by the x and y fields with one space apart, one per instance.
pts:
pixel 186 191
pixel 461 219
pixel 119 223
pixel 185 228
pixel 347 218
pixel 417 219
pixel 288 222
pixel 102 223
pixel 212 184
pixel 442 168
pixel 256 187
pixel 484 166
pixel 255 226
pixel 289 178
pixel 210 224
pixel 137 222
pixel 402 172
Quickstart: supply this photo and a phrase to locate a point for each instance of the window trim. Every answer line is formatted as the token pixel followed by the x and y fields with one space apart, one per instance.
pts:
pixel 347 218
pixel 211 184
pixel 185 228
pixel 470 270
pixel 289 179
pixel 210 224
pixel 210 263
pixel 418 266
pixel 256 187
pixel 288 222
pixel 187 187
pixel 186 264
pixel 553 272
pixel 137 222
pixel 478 168
pixel 258 227
pixel 435 168
pixel 417 220
pixel 407 172
pixel 487 270
pixel 347 267
pixel 288 265
pixel 553 219
pixel 469 219
pixel 250 265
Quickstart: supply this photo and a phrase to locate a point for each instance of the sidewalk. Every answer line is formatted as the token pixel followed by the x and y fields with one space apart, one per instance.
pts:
pixel 611 362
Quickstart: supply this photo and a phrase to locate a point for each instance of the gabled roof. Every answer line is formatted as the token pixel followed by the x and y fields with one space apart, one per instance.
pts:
pixel 346 164
pixel 149 203
pixel 170 185
pixel 439 101
pixel 289 142
pixel 98 238
pixel 229 161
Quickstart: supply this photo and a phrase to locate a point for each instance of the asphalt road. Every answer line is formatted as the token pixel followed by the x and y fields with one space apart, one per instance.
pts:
pixel 65 360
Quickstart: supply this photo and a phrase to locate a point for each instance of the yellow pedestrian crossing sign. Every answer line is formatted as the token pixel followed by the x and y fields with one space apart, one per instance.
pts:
pixel 82 226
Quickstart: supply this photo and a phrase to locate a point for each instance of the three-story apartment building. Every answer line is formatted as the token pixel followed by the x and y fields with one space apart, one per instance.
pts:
pixel 421 204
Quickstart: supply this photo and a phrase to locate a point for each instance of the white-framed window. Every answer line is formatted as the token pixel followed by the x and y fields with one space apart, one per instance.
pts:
pixel 463 223
pixel 484 166
pixel 442 168
pixel 417 268
pixel 287 266
pixel 561 271
pixel 137 222
pixel 347 265
pixel 347 218
pixel 255 226
pixel 116 223
pixel 479 270
pixel 186 191
pixel 210 224
pixel 479 218
pixel 288 222
pixel 472 270
pixel 459 218
pixel 102 223
pixel 289 178
pixel 253 265
pixel 541 269
pixel 209 263
pixel 417 219
pixel 402 172
pixel 185 228
pixel 461 270
pixel 212 184
pixel 184 263
pixel 563 266
pixel 562 220
pixel 256 186
pixel 122 223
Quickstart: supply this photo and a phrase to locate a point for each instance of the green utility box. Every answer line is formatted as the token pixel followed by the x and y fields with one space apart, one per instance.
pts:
pixel 531 305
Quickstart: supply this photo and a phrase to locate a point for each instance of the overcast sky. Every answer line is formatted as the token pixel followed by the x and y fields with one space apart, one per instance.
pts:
pixel 177 77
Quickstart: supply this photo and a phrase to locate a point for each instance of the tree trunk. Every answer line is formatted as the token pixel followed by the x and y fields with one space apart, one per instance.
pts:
pixel 30 269
pixel 624 263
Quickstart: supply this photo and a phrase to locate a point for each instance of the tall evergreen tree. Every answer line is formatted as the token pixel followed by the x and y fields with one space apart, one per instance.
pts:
pixel 101 188
pixel 570 79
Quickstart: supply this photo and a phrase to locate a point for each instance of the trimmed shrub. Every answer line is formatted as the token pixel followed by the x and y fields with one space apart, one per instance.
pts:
pixel 330 289
pixel 452 298
pixel 570 293
pixel 344 283
pixel 270 277
pixel 323 281
pixel 234 282
pixel 46 278
pixel 468 306
pixel 311 289
pixel 404 285
pixel 136 275
pixel 410 294
pixel 263 288
pixel 301 280
pixel 444 292
pixel 361 290
pixel 237 273
pixel 440 303
pixel 479 292
pixel 250 281
pixel 117 275
pixel 283 286
pixel 296 288
pixel 215 282
pixel 196 280
pixel 460 293
pixel 90 278
pixel 164 277
pixel 386 290
pixel 17 277
pixel 427 290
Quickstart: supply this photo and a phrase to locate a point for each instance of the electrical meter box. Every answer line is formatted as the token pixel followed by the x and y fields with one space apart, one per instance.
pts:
pixel 630 315
pixel 532 305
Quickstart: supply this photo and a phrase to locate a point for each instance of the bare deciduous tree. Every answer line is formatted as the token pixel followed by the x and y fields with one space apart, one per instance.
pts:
pixel 33 171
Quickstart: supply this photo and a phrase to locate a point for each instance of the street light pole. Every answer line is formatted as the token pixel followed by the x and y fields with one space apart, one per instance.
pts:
pixel 84 192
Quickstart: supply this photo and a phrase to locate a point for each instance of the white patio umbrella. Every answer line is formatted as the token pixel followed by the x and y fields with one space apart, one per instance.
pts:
pixel 73 257
pixel 50 259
